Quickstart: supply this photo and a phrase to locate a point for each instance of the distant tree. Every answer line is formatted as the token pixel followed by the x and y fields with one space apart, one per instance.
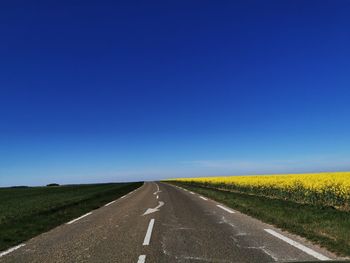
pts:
pixel 53 184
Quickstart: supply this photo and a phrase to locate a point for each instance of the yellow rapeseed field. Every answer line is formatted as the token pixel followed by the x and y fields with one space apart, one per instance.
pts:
pixel 331 188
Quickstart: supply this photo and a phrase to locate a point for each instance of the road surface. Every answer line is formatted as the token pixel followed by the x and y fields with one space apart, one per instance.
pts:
pixel 159 222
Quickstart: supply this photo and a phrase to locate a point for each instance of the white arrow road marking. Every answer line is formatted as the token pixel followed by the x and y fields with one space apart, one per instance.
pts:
pixel 152 210
pixel 297 245
pixel 158 191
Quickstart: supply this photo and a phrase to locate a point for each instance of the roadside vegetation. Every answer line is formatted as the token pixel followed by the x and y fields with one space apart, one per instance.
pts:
pixel 326 223
pixel 323 189
pixel 28 211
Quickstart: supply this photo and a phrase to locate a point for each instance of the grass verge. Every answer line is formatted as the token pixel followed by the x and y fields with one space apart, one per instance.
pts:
pixel 325 226
pixel 27 212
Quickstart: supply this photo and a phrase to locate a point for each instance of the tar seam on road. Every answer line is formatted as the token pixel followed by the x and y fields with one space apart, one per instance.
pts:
pixel 142 259
pixel 74 220
pixel 148 233
pixel 226 209
pixel 110 203
pixel 297 245
pixel 203 198
pixel 11 250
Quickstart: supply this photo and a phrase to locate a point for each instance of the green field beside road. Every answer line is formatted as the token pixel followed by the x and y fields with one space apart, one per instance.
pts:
pixel 28 211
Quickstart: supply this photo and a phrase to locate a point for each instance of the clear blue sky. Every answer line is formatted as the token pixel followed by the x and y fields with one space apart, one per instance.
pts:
pixel 98 91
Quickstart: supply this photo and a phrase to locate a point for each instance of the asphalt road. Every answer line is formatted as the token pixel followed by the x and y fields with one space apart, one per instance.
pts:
pixel 163 223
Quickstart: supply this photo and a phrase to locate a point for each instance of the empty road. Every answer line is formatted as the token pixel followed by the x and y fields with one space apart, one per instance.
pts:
pixel 162 223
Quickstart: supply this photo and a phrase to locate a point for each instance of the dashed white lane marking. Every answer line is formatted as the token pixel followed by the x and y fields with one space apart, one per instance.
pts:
pixel 303 248
pixel 74 220
pixel 11 250
pixel 157 196
pixel 192 193
pixel 130 193
pixel 203 198
pixel 148 233
pixel 110 203
pixel 142 259
pixel 226 209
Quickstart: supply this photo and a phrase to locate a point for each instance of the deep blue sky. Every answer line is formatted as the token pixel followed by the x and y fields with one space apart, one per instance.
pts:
pixel 96 91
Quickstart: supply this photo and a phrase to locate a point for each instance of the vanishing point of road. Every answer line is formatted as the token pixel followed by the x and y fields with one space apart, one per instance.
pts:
pixel 159 222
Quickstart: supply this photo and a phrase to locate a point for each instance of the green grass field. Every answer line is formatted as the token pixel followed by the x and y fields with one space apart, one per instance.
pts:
pixel 326 226
pixel 27 212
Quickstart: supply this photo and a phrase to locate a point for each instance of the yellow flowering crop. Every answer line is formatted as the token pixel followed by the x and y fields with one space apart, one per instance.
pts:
pixel 316 188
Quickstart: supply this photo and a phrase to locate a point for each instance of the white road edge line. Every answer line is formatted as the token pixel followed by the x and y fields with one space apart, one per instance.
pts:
pixel 148 233
pixel 303 248
pixel 110 203
pixel 142 259
pixel 80 217
pixel 11 250
pixel 191 193
pixel 131 192
pixel 203 198
pixel 226 209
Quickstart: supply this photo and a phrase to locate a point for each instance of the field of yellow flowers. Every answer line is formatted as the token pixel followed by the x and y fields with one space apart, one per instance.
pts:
pixel 326 189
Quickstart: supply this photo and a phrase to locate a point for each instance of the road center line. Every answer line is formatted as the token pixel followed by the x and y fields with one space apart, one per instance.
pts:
pixel 11 250
pixel 110 203
pixel 142 259
pixel 226 209
pixel 148 233
pixel 203 198
pixel 74 220
pixel 303 248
